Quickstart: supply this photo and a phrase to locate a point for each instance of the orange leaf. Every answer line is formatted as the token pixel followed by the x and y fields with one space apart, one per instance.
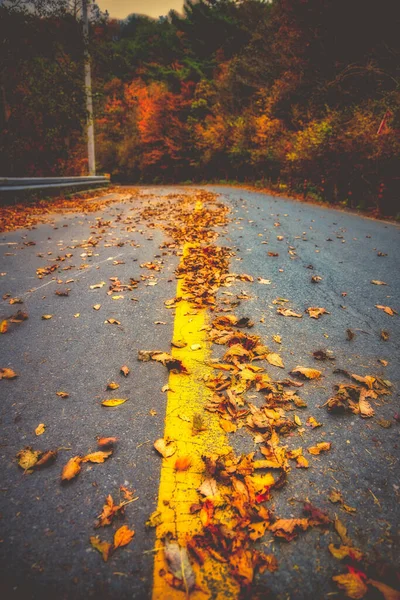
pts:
pixel 72 468
pixel 352 584
pixel 97 457
pixel 287 312
pixel 320 447
pixel 386 309
pixel 306 372
pixel 6 373
pixel 387 592
pixel 3 326
pixel 183 463
pixel 123 536
pixel 125 370
pixel 103 442
pixel 316 312
pixel 103 547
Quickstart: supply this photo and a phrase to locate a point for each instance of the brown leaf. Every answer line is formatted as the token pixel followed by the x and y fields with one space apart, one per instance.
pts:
pixel 71 469
pixel 352 584
pixel 320 447
pixel 97 457
pixel 287 528
pixel 384 335
pixel 179 564
pixel 109 511
pixel 125 370
pixel 183 463
pixel 123 536
pixel 165 448
pixel 46 459
pixel 287 312
pixel 316 312
pixel 105 442
pixel 101 546
pixel 306 372
pixel 387 592
pixel 6 373
pixel 342 532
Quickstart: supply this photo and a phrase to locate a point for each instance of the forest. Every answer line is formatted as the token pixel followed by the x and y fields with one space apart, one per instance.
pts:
pixel 297 96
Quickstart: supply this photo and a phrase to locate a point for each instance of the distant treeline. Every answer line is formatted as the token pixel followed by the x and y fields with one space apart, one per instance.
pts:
pixel 298 95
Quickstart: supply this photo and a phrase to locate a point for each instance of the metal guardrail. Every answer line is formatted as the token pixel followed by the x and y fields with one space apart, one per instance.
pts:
pixel 22 184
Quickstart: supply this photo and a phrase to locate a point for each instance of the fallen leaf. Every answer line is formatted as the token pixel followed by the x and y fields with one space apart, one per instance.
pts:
pixel 77 315
pixel 47 317
pixel 97 285
pixel 342 532
pixel 386 309
pixel 387 592
pixel 123 536
pixel 287 312
pixel 316 312
pixel 6 373
pixel 4 326
pixel 112 321
pixel 306 372
pixel 183 463
pixel 105 442
pixel 320 447
pixel 178 343
pixel 352 584
pixel 40 429
pixel 179 564
pixel 101 546
pixel 196 347
pixel 28 457
pixel 277 339
pixel 114 401
pixel 275 359
pixel 165 388
pixel 377 282
pixel 311 422
pixel 345 551
pixel 125 370
pixel 97 306
pixel 384 335
pixel 264 281
pixel 62 394
pixel 164 447
pixel 383 362
pixel 112 385
pixel 46 459
pixel 71 469
pixel 97 457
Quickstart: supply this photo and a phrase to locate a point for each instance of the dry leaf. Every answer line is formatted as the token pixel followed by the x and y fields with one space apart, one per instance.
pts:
pixel 28 457
pixel 6 373
pixel 96 286
pixel 306 372
pixel 112 321
pixel 101 546
pixel 112 385
pixel 97 306
pixel 320 447
pixel 311 422
pixel 46 459
pixel 183 463
pixel 178 343
pixel 179 564
pixel 264 281
pixel 386 309
pixel 3 326
pixel 47 317
pixel 97 457
pixel 125 370
pixel 287 312
pixel 105 442
pixel 352 584
pixel 277 339
pixel 342 532
pixel 62 394
pixel 114 401
pixel 71 469
pixel 164 447
pixel 387 592
pixel 316 312
pixel 275 359
pixel 346 551
pixel 377 282
pixel 40 429
pixel 123 536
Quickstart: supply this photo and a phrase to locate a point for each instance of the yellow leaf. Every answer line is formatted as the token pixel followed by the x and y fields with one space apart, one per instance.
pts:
pixel 123 536
pixel 103 547
pixel 97 285
pixel 62 394
pixel 320 447
pixel 3 326
pixel 41 428
pixel 275 359
pixel 97 457
pixel 114 401
pixel 352 584
pixel 316 312
pixel 227 426
pixel 112 321
pixel 287 312
pixel 345 551
pixel 27 457
pixel 47 317
pixel 277 339
pixel 297 420
pixel 6 373
pixel 77 315
pixel 311 422
pixel 342 532
pixel 308 373
pixel 386 309
pixel 118 297
pixel 165 448
pixel 97 306
pixel 72 468
pixel 195 347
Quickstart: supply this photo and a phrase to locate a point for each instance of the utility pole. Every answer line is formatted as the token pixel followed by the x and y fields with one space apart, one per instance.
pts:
pixel 88 91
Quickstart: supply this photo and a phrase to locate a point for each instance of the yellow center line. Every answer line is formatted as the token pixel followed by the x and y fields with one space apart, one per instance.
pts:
pixel 178 489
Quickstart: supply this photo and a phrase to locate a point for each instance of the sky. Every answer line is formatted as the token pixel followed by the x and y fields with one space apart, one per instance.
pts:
pixel 120 9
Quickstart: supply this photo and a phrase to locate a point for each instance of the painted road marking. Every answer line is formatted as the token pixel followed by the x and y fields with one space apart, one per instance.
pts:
pixel 177 491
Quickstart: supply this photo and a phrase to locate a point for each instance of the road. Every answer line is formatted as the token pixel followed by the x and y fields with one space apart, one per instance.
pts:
pixel 274 247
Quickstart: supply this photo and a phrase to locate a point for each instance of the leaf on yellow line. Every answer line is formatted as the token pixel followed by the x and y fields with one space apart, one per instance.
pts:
pixel 306 372
pixel 274 359
pixel 386 309
pixel 183 463
pixel 114 401
pixel 101 546
pixel 97 457
pixel 165 447
pixel 71 469
pixel 123 536
pixel 352 584
pixel 320 447
pixel 40 429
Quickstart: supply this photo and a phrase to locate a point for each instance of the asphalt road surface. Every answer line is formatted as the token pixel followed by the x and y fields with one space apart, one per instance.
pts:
pixel 46 525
